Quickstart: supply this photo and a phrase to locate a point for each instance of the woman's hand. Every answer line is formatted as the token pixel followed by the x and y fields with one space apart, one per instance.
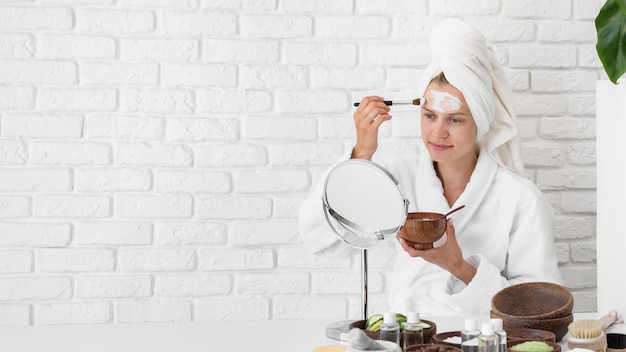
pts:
pixel 448 256
pixel 368 117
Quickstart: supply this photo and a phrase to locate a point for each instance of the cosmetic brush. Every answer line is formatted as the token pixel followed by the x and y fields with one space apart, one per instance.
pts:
pixel 417 101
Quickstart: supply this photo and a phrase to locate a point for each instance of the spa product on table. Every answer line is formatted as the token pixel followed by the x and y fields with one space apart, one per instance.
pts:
pixel 488 340
pixel 390 329
pixel 469 336
pixel 413 334
pixel 532 346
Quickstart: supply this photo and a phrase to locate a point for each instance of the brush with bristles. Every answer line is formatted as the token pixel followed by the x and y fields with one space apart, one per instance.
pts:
pixel 585 329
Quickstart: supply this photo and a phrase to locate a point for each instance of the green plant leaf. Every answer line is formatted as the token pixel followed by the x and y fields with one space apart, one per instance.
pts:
pixel 611 46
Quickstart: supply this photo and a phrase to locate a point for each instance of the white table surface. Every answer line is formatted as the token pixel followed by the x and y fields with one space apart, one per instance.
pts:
pixel 253 336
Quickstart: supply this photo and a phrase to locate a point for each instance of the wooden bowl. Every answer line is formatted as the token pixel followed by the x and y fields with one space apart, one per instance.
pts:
pixel 533 300
pixel 441 338
pixel 530 334
pixel 432 348
pixel 428 333
pixel 558 326
pixel 422 229
pixel 556 347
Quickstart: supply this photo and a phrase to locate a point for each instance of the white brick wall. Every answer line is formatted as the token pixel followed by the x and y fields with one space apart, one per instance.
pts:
pixel 154 153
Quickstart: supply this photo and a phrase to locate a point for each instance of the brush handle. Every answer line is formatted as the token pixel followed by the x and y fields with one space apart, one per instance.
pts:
pixel 387 102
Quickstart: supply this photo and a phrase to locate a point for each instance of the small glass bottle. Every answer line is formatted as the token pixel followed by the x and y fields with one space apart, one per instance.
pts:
pixel 469 336
pixel 413 333
pixel 499 330
pixel 390 329
pixel 488 341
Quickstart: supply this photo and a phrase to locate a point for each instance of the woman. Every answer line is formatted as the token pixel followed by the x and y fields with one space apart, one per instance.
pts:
pixel 471 157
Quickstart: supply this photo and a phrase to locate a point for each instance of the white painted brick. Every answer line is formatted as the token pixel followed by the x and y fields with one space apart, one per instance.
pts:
pixel 17 98
pixel 303 258
pixel 269 77
pixel 199 23
pixel 73 313
pixel 78 99
pixel 112 179
pixel 562 252
pixel 567 31
pixel 42 125
pixel 118 286
pixel 465 8
pixel 168 181
pixel 230 155
pixel 567 128
pixel 304 154
pixel 321 6
pixel 153 312
pixel 233 207
pixel 36 18
pixel 60 46
pixel 112 233
pixel 56 260
pixel 547 56
pixel 390 7
pixel 199 75
pixel 287 128
pixel 317 101
pixel 70 153
pixel 31 288
pixel 232 100
pixel 40 179
pixel 157 101
pixel 540 104
pixel 43 72
pixel 543 156
pixel 178 4
pixel 115 21
pixel 153 206
pixel 579 276
pixel 582 104
pixel 586 300
pixel 562 179
pixel 248 51
pixel 406 127
pixel 337 128
pixel 148 49
pixel 15 315
pixel 273 283
pixel 537 9
pixel 235 259
pixel 506 30
pixel 344 282
pixel 71 206
pixel 35 234
pixel 587 10
pixel 263 233
pixel 578 201
pixel 190 233
pixel 588 57
pixel 13 152
pixel 192 285
pixel 414 27
pixel 309 306
pixel 275 26
pixel 124 127
pixel 17 45
pixel 582 153
pixel 116 74
pixel 233 309
pixel 350 78
pixel 16 261
pixel 402 78
pixel 271 181
pixel 518 79
pixel 161 260
pixel 352 27
pixel 13 207
pixel 195 129
pixel 563 81
pixel 320 53
pixel 394 55
pixel 153 154
pixel 286 206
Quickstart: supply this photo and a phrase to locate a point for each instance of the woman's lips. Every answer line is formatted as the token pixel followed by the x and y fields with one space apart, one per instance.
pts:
pixel 439 147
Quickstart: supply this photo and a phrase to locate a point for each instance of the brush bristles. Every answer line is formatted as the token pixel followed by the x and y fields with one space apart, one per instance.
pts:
pixel 585 329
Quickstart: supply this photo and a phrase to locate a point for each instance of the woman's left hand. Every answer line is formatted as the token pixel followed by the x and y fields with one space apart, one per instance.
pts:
pixel 448 256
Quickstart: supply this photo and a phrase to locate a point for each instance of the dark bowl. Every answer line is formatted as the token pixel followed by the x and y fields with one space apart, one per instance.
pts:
pixel 533 300
pixel 432 348
pixel 422 229
pixel 441 338
pixel 530 334
pixel 556 347
pixel 558 326
pixel 428 333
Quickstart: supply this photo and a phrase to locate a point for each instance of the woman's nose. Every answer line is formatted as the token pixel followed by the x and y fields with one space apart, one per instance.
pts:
pixel 440 129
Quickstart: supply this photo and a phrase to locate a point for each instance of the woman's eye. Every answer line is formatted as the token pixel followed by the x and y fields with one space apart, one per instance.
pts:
pixel 428 116
pixel 455 121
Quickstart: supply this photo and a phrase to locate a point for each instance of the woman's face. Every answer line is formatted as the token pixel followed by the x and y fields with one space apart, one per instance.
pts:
pixel 448 128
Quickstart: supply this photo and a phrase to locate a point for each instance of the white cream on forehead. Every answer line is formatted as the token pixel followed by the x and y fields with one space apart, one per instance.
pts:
pixel 444 101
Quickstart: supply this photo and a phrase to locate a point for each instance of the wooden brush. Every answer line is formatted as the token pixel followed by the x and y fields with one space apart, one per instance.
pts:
pixel 585 329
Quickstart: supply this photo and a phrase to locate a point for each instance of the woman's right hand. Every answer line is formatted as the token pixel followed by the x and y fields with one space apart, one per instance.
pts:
pixel 368 117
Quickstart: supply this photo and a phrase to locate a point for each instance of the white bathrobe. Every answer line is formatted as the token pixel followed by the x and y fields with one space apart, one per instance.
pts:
pixel 505 231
